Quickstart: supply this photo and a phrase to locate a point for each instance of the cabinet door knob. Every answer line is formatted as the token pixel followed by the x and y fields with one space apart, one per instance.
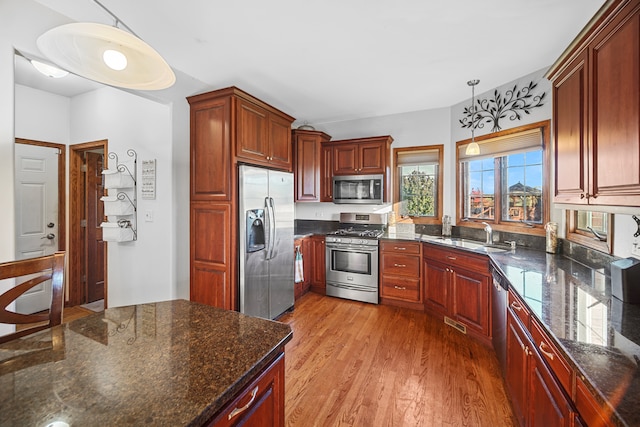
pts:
pixel 402 288
pixel 582 196
pixel 399 265
pixel 516 306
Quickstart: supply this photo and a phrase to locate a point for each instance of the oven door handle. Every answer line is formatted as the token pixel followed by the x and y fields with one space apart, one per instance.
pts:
pixel 353 247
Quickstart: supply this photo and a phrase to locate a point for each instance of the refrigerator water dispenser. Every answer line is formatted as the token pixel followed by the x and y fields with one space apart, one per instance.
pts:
pixel 255 230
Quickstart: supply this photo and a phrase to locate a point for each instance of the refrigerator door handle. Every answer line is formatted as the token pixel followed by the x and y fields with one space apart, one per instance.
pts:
pixel 272 227
pixel 269 229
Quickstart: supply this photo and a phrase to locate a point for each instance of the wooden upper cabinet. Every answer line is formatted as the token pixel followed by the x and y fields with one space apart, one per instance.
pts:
pixel 307 145
pixel 210 150
pixel 362 156
pixel 263 135
pixel 597 112
pixel 326 175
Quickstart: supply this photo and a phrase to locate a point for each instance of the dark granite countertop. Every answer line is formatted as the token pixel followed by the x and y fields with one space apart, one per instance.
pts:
pixel 170 363
pixel 599 333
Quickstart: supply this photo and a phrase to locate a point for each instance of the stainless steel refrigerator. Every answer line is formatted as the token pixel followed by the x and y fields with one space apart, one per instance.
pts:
pixel 266 211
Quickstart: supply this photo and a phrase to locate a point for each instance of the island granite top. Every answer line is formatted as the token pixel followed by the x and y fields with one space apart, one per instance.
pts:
pixel 168 363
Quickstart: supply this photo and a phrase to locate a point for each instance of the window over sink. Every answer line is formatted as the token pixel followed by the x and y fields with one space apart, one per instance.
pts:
pixel 507 184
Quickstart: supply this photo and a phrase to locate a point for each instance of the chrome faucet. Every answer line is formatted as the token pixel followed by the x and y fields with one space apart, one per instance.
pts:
pixel 489 231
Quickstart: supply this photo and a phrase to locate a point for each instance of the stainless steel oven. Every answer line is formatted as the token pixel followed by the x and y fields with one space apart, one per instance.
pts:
pixel 352 257
pixel 352 268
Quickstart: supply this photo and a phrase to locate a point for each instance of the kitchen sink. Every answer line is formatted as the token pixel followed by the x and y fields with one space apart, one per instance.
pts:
pixel 464 243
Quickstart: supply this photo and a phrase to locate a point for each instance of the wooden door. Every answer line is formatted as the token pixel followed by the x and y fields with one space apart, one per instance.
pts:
pixel 93 268
pixel 345 159
pixel 280 150
pixel 319 272
pixel 36 193
pixel 326 174
pixel 436 286
pixel 470 299
pixel 616 114
pixel 371 157
pixel 570 128
pixel 252 132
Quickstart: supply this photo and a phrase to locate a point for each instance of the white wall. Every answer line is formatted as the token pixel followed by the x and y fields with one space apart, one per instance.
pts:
pixel 41 116
pixel 139 271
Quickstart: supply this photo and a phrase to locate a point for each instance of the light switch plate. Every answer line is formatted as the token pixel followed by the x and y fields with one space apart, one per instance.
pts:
pixel 148 216
pixel 635 248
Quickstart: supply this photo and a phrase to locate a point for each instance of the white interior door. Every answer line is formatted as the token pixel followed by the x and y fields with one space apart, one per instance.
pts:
pixel 36 192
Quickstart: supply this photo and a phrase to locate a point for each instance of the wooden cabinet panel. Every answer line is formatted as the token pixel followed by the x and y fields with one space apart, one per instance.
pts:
pixel 616 119
pixel 552 356
pixel 280 149
pixel 519 309
pixel 400 265
pixel 517 374
pixel 319 269
pixel 593 414
pixel 436 279
pixel 470 295
pixel 209 285
pixel 400 247
pixel 326 174
pixel 372 158
pixel 548 405
pixel 252 129
pixel 260 404
pixel 401 288
pixel 345 159
pixel 570 108
pixel 211 151
pixel 308 154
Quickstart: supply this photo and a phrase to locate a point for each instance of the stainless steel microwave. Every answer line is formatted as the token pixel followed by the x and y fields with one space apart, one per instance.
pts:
pixel 361 189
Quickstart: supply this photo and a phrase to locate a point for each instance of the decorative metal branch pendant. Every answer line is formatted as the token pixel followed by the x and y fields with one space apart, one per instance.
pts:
pixel 511 105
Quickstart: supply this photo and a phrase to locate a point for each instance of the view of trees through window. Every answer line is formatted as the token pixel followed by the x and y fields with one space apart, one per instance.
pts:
pixel 519 183
pixel 418 190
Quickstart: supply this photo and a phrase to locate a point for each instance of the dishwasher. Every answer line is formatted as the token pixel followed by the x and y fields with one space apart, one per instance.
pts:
pixel 499 302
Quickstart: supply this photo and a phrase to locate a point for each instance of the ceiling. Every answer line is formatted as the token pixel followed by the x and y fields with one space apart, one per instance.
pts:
pixel 332 60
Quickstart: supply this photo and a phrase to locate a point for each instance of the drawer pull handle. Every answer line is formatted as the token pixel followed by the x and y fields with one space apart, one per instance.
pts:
pixel 238 411
pixel 546 353
pixel 402 288
pixel 516 306
pixel 399 265
pixel 398 248
pixel 451 257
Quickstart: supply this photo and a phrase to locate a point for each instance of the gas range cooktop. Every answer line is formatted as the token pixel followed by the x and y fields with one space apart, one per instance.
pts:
pixel 358 233
pixel 370 225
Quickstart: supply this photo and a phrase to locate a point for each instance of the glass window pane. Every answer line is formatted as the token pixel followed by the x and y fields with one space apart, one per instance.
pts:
pixel 522 187
pixel 479 198
pixel 596 220
pixel 418 190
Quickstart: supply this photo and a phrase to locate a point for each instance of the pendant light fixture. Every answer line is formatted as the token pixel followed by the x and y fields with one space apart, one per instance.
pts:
pixel 107 55
pixel 473 149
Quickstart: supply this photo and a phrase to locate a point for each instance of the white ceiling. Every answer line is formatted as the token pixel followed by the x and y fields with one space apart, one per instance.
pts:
pixel 330 60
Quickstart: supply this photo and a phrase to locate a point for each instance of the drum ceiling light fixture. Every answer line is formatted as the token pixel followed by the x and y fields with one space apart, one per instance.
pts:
pixel 107 55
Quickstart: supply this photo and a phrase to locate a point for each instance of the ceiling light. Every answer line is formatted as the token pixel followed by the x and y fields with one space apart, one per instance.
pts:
pixel 48 70
pixel 115 59
pixel 107 55
pixel 473 149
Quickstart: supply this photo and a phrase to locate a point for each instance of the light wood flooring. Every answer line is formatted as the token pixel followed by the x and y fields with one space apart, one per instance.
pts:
pixel 357 364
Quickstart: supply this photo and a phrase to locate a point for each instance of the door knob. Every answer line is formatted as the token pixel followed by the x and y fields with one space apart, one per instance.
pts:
pixel 51 225
pixel 49 236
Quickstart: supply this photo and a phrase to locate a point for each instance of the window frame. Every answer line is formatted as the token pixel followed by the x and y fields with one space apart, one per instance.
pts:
pixel 582 238
pixel 498 223
pixel 437 218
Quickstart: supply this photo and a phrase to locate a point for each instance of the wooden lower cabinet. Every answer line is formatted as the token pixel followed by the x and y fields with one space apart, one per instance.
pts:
pixel 537 397
pixel 454 290
pixel 318 265
pixel 400 273
pixel 260 404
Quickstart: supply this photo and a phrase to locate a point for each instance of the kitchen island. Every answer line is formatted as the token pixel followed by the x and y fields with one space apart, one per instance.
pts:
pixel 168 363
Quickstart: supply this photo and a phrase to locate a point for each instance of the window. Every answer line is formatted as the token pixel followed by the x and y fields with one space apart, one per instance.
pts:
pixel 507 183
pixel 419 183
pixel 592 229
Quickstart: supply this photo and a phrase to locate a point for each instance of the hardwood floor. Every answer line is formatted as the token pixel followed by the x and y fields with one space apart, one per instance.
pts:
pixel 73 313
pixel 358 364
